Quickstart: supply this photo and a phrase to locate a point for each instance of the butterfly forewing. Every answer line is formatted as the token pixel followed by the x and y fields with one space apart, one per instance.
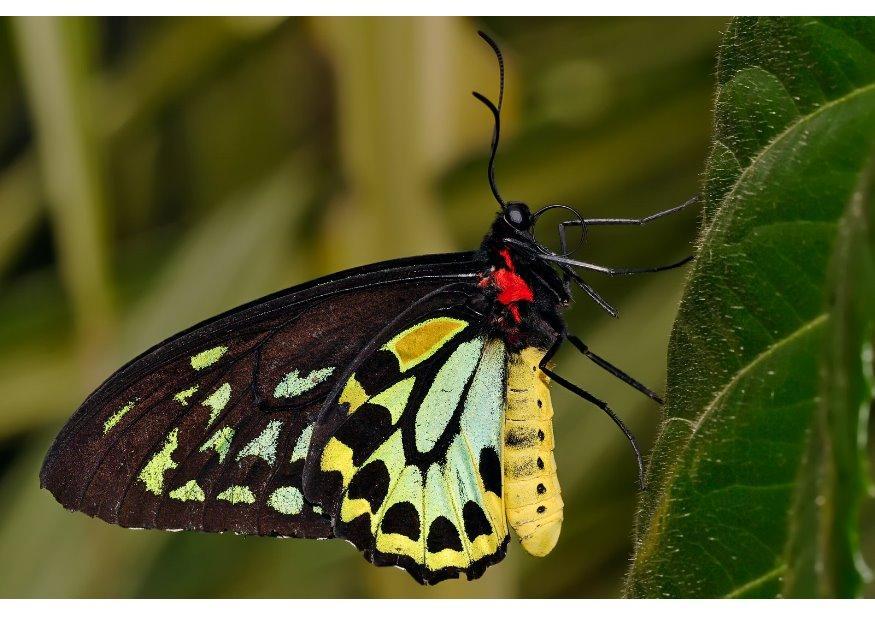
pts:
pixel 210 429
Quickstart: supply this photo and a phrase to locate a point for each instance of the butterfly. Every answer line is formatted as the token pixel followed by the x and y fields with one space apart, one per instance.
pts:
pixel 403 406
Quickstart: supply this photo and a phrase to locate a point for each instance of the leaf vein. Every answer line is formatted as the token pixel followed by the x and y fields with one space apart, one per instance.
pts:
pixel 750 585
pixel 710 407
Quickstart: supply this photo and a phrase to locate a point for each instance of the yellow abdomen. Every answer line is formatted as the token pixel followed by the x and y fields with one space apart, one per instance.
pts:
pixel 533 500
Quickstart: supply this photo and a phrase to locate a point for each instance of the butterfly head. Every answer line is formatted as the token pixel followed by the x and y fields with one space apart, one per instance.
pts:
pixel 524 230
pixel 519 216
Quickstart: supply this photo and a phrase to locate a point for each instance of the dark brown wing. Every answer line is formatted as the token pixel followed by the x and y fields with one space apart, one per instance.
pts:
pixel 209 429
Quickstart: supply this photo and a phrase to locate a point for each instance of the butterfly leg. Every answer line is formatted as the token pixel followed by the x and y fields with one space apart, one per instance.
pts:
pixel 569 275
pixel 618 221
pixel 586 288
pixel 568 385
pixel 613 271
pixel 628 221
pixel 606 365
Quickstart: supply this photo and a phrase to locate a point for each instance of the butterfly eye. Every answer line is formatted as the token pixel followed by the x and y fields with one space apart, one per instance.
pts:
pixel 518 215
pixel 558 229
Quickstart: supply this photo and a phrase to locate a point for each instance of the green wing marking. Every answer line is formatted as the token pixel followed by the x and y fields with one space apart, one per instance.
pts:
pixel 294 384
pixel 207 358
pixel 117 416
pixel 217 401
pixel 263 446
pixel 237 494
pixel 189 492
pixel 220 442
pixel 153 473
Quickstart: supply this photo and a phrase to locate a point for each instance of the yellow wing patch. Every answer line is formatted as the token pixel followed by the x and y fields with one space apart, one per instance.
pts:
pixel 354 394
pixel 419 342
pixel 337 456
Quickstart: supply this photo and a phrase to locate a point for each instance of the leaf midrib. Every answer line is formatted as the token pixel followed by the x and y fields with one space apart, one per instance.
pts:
pixel 777 345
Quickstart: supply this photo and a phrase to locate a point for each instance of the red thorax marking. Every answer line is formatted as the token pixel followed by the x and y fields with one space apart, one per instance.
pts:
pixel 511 287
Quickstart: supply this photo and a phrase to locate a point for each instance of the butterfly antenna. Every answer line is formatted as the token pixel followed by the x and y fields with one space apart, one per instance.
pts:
pixel 496 115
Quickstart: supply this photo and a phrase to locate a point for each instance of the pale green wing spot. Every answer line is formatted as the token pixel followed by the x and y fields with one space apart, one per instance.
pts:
pixel 483 413
pixel 395 398
pixel 286 500
pixel 117 416
pixel 189 492
pixel 217 401
pixel 302 446
pixel 152 474
pixel 220 442
pixel 461 472
pixel 293 384
pixel 444 394
pixel 481 426
pixel 183 396
pixel 207 358
pixel 317 510
pixel 237 495
pixel 263 446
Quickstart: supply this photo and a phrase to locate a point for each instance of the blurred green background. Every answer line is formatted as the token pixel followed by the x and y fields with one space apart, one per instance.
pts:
pixel 154 172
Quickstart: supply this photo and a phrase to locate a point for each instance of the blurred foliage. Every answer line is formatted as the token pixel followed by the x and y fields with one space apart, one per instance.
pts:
pixel 154 172
pixel 759 472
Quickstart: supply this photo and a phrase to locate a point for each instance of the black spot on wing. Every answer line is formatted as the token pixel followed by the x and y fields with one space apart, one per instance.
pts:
pixel 475 520
pixel 443 535
pixel 358 532
pixel 490 470
pixel 378 372
pixel 402 518
pixel 365 430
pixel 371 482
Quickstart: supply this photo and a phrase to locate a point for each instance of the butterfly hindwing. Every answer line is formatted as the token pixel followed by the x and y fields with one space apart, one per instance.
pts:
pixel 210 429
pixel 406 457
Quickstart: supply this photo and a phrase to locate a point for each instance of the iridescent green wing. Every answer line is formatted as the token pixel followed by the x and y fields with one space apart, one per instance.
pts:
pixel 210 429
pixel 406 457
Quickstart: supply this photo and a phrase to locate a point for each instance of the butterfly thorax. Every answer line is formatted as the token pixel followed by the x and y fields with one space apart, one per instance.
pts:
pixel 510 287
pixel 526 294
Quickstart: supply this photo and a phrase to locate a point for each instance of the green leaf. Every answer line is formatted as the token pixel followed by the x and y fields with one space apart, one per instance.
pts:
pixel 756 478
pixel 822 552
